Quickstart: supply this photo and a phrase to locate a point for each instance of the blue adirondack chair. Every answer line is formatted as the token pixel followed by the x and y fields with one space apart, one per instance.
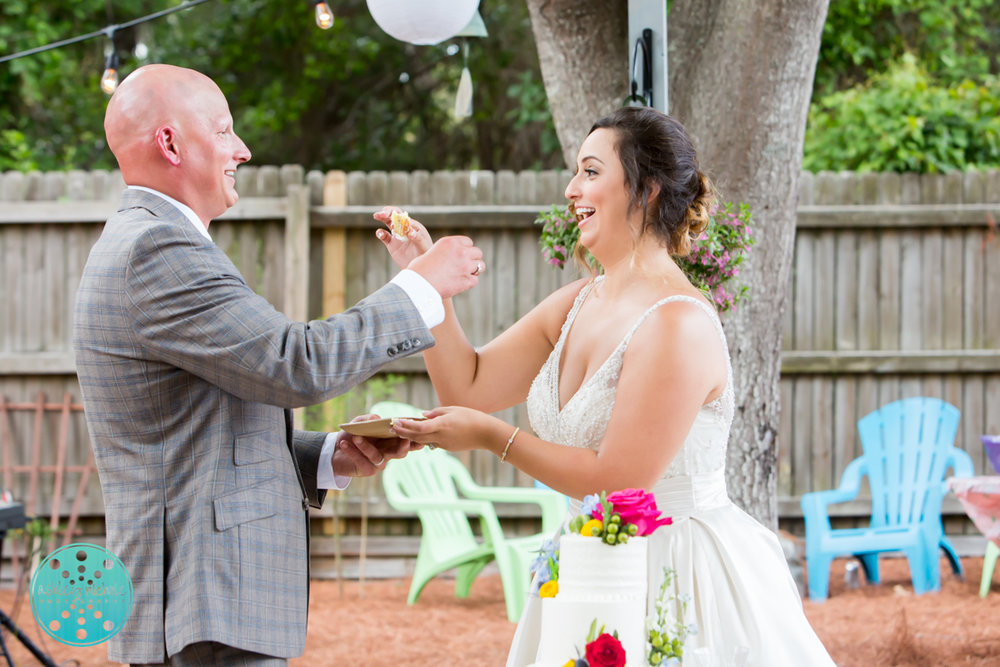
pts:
pixel 439 489
pixel 908 447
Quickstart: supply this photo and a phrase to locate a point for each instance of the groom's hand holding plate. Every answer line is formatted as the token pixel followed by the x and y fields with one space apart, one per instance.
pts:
pixel 375 428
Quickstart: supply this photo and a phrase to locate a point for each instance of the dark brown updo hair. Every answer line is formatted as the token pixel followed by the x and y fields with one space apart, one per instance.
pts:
pixel 655 149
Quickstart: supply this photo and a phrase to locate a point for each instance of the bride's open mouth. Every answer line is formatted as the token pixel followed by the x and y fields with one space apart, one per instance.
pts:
pixel 582 213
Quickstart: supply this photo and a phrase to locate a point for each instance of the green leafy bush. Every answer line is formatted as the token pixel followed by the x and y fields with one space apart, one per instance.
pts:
pixel 903 120
pixel 953 39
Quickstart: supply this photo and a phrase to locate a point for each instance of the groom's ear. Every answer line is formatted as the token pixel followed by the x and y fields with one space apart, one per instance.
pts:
pixel 166 144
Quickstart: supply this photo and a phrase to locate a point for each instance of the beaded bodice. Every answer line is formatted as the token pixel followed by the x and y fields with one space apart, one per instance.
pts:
pixel 584 419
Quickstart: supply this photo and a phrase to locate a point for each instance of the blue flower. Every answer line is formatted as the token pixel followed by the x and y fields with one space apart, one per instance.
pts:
pixel 590 504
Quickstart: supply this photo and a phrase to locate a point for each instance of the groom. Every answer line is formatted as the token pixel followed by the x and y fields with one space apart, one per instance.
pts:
pixel 188 376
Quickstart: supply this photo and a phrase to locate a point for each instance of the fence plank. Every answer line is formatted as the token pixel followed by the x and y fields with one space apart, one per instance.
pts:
pixel 786 442
pixel 268 181
pixel 911 295
pixel 804 290
pixel 934 190
pixel 802 402
pixel 399 188
pixel 420 188
pixel 377 189
pixel 843 418
pixel 484 186
pixel 54 329
pixel 823 449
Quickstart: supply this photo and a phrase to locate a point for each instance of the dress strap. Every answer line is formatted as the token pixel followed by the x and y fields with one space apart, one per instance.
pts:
pixel 679 297
pixel 577 304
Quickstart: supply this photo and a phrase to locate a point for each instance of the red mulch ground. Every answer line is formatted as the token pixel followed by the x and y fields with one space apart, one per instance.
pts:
pixel 373 626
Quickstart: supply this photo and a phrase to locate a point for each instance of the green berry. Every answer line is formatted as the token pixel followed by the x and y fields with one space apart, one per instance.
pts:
pixel 632 529
pixel 612 528
pixel 610 539
pixel 656 640
pixel 595 531
pixel 622 538
pixel 616 518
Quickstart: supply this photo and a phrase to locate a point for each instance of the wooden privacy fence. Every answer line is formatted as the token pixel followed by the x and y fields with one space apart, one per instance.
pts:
pixel 895 290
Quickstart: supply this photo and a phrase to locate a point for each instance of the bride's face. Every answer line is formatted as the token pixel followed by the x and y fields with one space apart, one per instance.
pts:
pixel 599 195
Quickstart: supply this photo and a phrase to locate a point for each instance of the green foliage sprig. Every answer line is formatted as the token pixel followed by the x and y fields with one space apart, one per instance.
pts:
pixel 667 632
pixel 713 265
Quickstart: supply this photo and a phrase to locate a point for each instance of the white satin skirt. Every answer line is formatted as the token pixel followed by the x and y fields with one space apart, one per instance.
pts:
pixel 732 571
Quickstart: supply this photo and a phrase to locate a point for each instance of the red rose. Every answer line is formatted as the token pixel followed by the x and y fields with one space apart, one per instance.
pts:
pixel 636 506
pixel 605 651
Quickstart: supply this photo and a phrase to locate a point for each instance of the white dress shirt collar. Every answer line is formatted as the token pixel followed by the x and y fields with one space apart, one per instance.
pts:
pixel 183 208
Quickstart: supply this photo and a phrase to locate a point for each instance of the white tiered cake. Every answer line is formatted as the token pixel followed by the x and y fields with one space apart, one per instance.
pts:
pixel 596 581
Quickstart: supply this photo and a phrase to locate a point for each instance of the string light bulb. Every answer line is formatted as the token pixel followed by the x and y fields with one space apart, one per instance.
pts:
pixel 109 80
pixel 324 15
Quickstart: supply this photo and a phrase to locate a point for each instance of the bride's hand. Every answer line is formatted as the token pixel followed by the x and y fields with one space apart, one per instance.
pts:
pixel 402 252
pixel 455 429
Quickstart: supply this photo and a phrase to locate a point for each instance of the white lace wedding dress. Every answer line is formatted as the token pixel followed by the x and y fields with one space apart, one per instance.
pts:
pixel 742 595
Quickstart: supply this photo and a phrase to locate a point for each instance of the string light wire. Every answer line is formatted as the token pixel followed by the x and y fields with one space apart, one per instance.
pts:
pixel 108 30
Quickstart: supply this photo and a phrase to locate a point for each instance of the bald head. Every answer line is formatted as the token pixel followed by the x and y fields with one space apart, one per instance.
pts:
pixel 171 130
pixel 152 96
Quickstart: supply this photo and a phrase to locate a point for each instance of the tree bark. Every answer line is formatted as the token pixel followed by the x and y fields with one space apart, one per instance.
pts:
pixel 741 76
pixel 583 56
pixel 741 79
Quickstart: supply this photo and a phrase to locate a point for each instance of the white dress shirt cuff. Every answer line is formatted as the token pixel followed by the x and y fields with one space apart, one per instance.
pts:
pixel 423 295
pixel 325 477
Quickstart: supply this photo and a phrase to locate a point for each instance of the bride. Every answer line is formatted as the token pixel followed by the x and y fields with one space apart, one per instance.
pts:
pixel 628 385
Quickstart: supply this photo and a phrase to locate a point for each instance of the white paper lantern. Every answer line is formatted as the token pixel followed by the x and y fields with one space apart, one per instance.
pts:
pixel 422 21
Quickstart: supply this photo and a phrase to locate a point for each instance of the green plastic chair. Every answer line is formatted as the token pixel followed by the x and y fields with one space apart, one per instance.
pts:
pixel 989 562
pixel 439 489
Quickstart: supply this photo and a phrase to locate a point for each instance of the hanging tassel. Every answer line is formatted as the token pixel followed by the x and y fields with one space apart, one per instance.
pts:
pixel 463 99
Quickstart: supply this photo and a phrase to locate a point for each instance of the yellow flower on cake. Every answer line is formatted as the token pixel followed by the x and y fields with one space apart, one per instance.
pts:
pixel 588 528
pixel 549 589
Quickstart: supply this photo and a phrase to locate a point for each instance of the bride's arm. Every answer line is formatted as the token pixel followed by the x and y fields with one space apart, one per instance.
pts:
pixel 498 374
pixel 674 365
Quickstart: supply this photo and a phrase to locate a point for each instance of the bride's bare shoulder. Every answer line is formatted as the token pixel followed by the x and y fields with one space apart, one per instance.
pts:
pixel 551 312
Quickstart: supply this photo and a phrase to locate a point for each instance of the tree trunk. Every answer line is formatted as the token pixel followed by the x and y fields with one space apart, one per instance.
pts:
pixel 741 79
pixel 741 76
pixel 583 56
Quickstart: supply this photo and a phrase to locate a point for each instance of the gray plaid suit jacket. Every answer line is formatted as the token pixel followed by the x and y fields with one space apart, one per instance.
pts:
pixel 187 377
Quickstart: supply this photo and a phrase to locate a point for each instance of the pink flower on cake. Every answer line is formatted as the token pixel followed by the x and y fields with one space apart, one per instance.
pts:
pixel 605 651
pixel 636 506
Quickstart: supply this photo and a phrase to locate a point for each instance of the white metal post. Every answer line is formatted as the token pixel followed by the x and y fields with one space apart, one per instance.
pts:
pixel 652 15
